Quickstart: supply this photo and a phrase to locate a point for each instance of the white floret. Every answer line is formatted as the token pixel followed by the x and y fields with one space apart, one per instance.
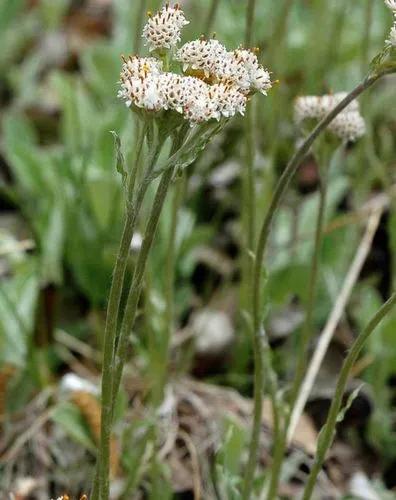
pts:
pixel 391 4
pixel 163 30
pixel 229 100
pixel 136 67
pixel 202 55
pixel 392 36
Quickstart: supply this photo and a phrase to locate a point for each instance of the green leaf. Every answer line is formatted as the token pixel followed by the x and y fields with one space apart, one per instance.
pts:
pixel 348 404
pixel 101 67
pixel 120 160
pixel 91 267
pixel 52 244
pixel 229 455
pixel 18 298
pixel 79 116
pixel 25 158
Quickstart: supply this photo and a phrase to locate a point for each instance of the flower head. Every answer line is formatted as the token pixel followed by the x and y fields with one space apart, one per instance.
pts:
pixel 348 125
pixel 202 54
pixel 142 90
pixel 162 31
pixel 137 67
pixel 307 107
pixel 232 70
pixel 259 77
pixel 240 67
pixel 229 100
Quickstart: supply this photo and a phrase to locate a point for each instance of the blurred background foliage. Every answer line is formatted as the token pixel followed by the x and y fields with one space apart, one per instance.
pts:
pixel 61 201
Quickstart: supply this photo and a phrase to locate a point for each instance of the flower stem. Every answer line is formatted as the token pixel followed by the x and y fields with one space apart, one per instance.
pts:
pixel 281 439
pixel 170 258
pixel 250 185
pixel 133 207
pixel 327 433
pixel 137 280
pixel 262 355
pixel 117 282
pixel 110 394
pixel 169 278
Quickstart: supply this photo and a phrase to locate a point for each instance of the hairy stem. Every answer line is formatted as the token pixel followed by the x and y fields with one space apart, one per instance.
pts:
pixel 306 335
pixel 103 460
pixel 262 355
pixel 250 184
pixel 127 323
pixel 133 207
pixel 170 260
pixel 137 280
pixel 328 431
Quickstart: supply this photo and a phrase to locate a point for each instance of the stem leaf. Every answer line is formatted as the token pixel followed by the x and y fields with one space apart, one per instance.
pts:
pixel 348 404
pixel 119 157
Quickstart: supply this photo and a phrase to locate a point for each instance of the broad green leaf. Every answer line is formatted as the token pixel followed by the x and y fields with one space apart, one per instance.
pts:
pixel 101 66
pixel 18 297
pixel 79 116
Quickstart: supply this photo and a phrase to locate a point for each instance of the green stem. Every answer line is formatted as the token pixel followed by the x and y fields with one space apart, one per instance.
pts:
pixel 327 433
pixel 132 212
pixel 262 358
pixel 250 184
pixel 119 358
pixel 170 263
pixel 137 280
pixel 306 335
pixel 103 460
pixel 211 17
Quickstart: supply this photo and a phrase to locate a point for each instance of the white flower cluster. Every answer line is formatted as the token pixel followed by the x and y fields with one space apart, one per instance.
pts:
pixel 162 31
pixel 240 67
pixel 348 125
pixel 391 4
pixel 215 84
pixel 196 100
